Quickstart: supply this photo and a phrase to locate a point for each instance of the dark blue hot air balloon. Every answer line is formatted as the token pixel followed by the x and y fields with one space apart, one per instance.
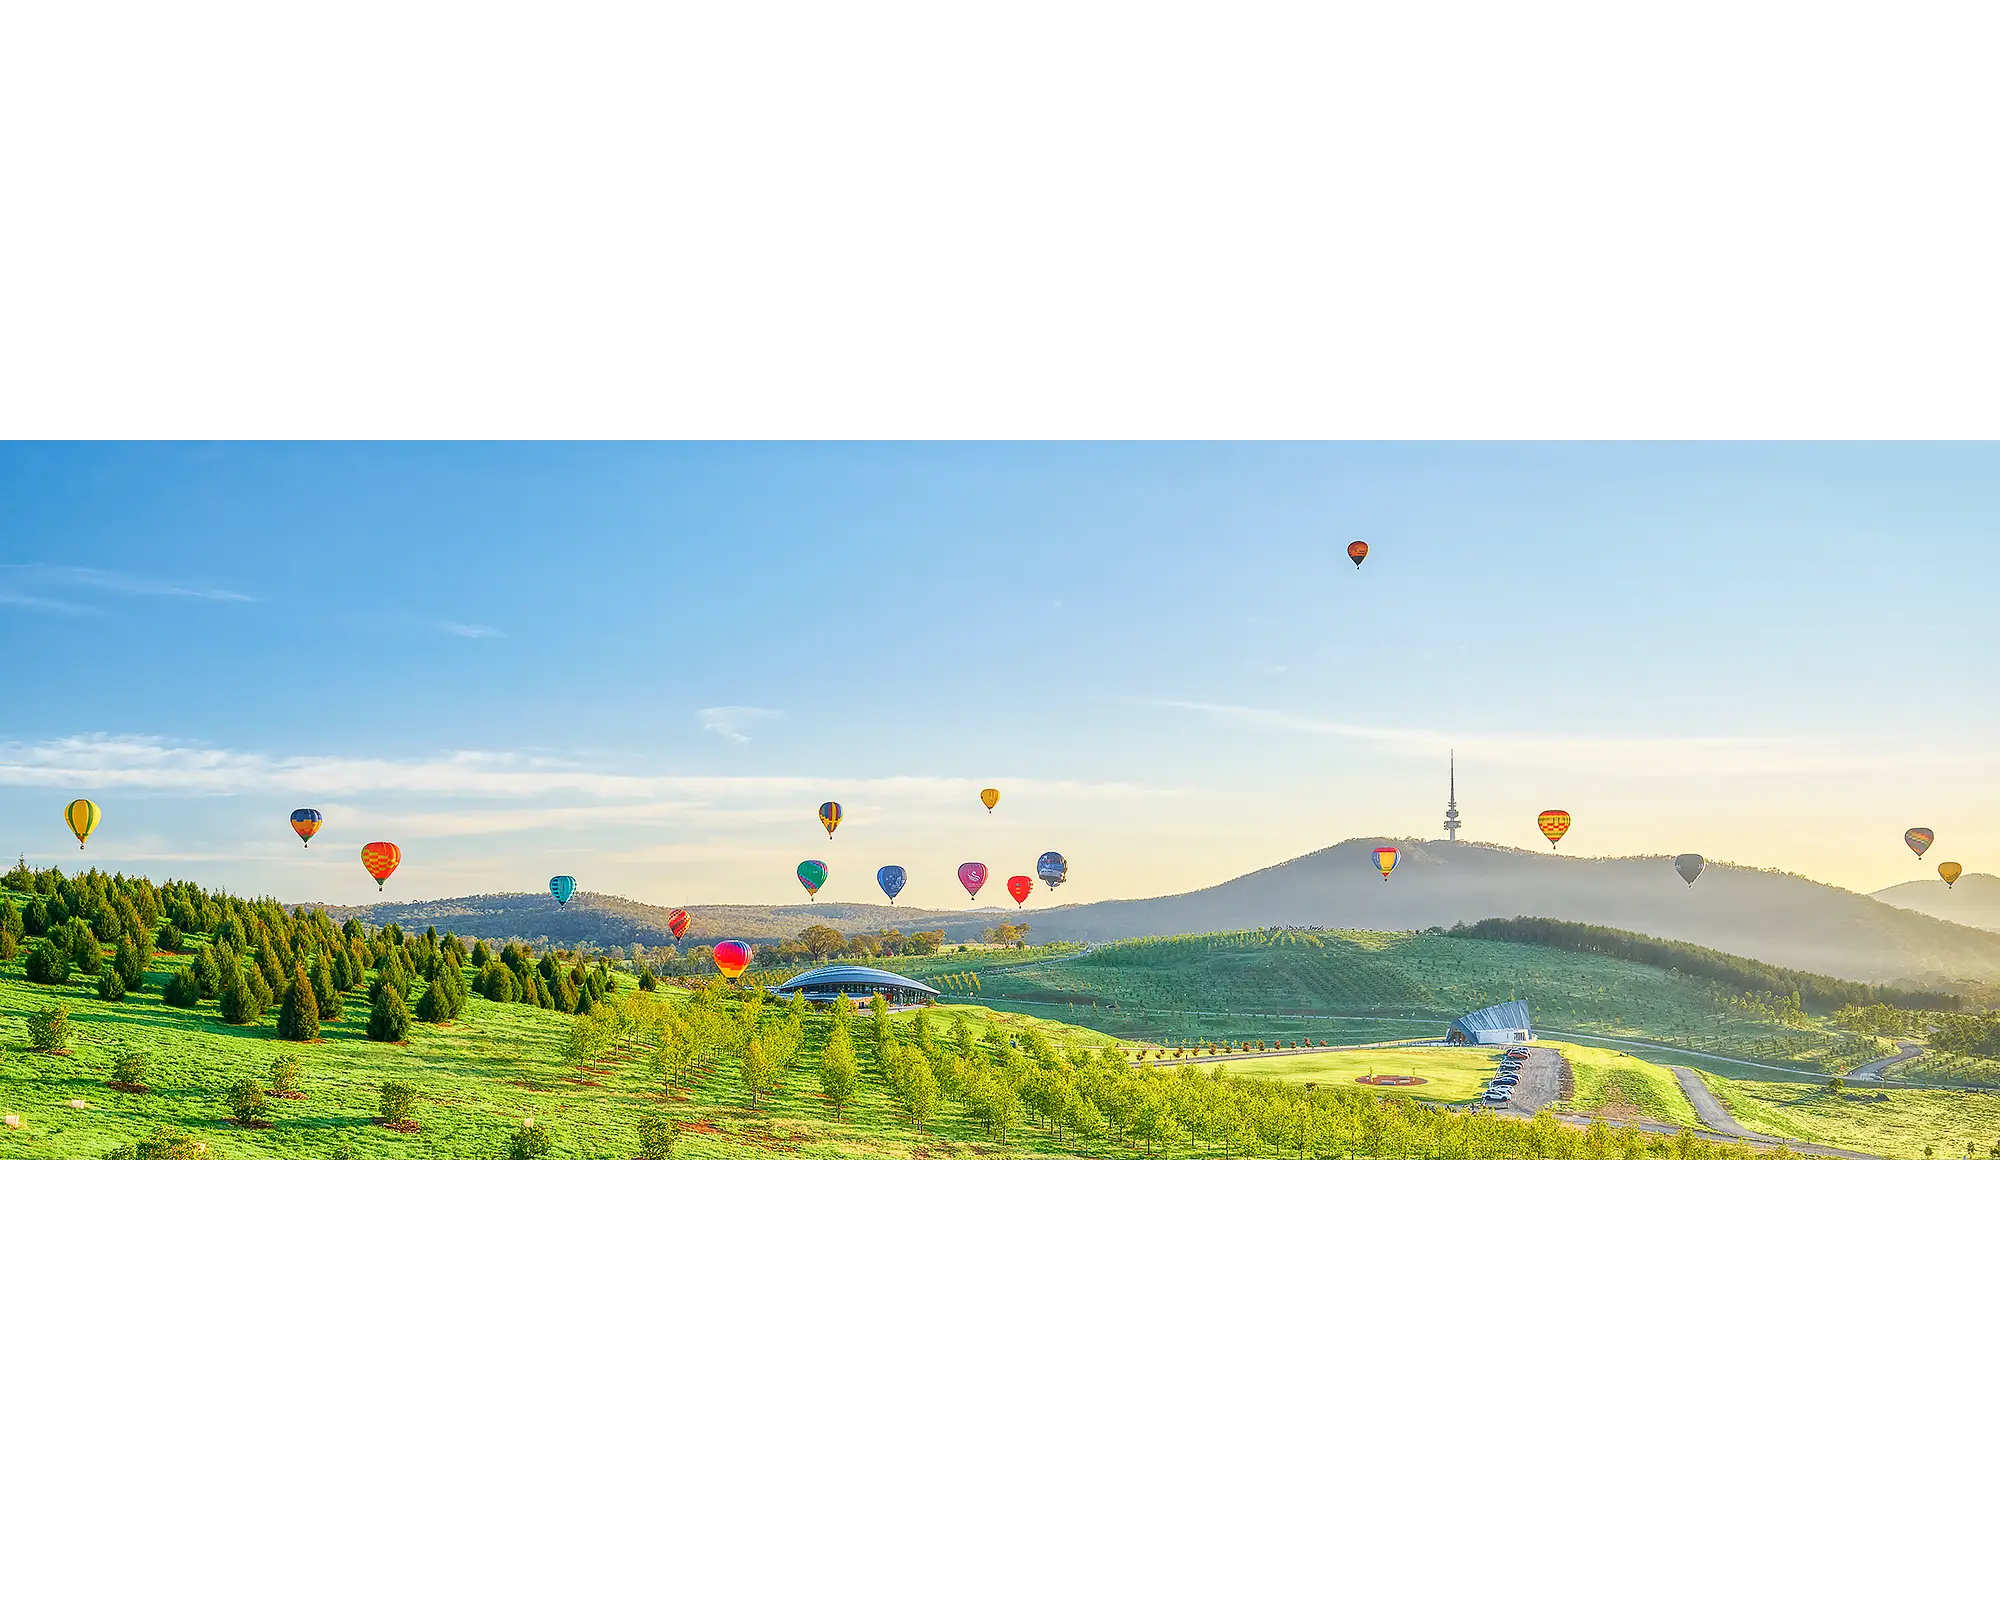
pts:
pixel 1052 869
pixel 892 880
pixel 562 887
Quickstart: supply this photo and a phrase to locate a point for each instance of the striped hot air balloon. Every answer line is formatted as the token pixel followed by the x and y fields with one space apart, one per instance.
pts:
pixel 829 816
pixel 562 886
pixel 731 957
pixel 677 924
pixel 1919 840
pixel 305 823
pixel 380 858
pixel 1385 857
pixel 81 815
pixel 813 875
pixel 1554 824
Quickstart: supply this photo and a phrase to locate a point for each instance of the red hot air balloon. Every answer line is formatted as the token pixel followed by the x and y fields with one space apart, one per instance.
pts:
pixel 731 957
pixel 1357 552
pixel 677 924
pixel 380 858
pixel 1020 887
pixel 973 875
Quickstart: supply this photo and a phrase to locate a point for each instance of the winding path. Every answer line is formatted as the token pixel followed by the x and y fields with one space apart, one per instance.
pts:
pixel 1907 1050
pixel 1709 1110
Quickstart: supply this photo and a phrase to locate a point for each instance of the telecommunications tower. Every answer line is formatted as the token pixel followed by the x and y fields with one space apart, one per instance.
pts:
pixel 1451 805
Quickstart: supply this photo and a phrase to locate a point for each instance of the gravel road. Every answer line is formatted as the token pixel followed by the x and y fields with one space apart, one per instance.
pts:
pixel 1541 1081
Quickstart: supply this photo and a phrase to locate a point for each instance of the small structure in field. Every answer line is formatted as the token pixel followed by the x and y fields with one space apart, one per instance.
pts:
pixel 823 984
pixel 1506 1023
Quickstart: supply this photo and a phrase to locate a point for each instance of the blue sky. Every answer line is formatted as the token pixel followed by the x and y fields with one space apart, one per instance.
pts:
pixel 647 665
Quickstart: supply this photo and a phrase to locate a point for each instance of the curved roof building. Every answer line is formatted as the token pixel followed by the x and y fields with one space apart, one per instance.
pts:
pixel 1506 1023
pixel 823 983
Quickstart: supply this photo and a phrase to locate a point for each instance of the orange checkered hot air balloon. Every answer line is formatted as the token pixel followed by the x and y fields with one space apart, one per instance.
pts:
pixel 380 858
pixel 1554 824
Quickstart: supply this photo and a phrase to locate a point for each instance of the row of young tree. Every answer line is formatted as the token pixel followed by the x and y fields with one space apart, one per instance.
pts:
pixel 935 1066
pixel 1813 990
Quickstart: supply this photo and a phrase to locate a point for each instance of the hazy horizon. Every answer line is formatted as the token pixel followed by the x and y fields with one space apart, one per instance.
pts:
pixel 648 665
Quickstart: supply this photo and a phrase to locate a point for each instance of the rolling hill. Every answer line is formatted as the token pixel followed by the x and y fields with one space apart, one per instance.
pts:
pixel 1974 900
pixel 1747 911
pixel 1772 916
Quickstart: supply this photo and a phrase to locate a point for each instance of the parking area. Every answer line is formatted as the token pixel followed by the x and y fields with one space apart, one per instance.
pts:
pixel 1525 1078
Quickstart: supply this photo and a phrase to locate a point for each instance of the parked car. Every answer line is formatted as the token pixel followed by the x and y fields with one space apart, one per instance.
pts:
pixel 1517 1054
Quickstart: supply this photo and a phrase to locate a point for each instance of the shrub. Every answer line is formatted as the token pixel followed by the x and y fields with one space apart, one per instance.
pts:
pixel 657 1137
pixel 388 1018
pixel 130 962
pixel 207 972
pixel 529 1143
pixel 398 1101
pixel 246 1101
pixel 170 940
pixel 84 949
pixel 110 985
pixel 298 1017
pixel 183 990
pixel 48 963
pixel 238 1002
pixel 129 1070
pixel 285 1074
pixel 325 995
pixel 162 1144
pixel 49 1028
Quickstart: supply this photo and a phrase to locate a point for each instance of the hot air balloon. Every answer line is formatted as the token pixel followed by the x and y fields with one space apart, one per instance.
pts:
pixel 813 875
pixel 1919 840
pixel 677 924
pixel 1052 869
pixel 305 823
pixel 829 815
pixel 1554 824
pixel 1357 552
pixel 380 858
pixel 731 957
pixel 1020 886
pixel 990 797
pixel 1689 867
pixel 892 880
pixel 562 887
pixel 81 815
pixel 973 875
pixel 1949 871
pixel 1386 856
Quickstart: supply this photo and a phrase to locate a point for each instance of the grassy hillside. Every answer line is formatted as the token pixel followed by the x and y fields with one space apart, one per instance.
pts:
pixel 1287 984
pixel 1974 900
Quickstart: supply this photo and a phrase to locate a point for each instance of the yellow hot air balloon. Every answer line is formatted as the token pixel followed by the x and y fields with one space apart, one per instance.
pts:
pixel 1949 871
pixel 991 797
pixel 81 815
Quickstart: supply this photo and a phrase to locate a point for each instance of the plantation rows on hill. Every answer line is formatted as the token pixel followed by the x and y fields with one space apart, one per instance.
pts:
pixel 1237 985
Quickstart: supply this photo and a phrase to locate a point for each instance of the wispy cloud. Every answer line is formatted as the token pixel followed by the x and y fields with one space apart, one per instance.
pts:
pixel 472 630
pixel 40 602
pixel 133 583
pixel 1683 756
pixel 733 721
pixel 147 762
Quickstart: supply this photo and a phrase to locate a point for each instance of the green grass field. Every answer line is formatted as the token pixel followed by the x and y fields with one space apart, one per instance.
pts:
pixel 1907 1123
pixel 1612 1084
pixel 1453 1077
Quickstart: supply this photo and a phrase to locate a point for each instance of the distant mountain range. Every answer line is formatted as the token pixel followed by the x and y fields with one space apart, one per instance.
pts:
pixel 1771 916
pixel 1974 900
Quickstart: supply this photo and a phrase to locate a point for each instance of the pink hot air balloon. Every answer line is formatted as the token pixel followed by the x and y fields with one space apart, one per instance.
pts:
pixel 973 875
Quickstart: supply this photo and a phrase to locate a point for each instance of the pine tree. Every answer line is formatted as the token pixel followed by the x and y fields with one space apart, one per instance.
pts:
pixel 325 995
pixel 298 1018
pixel 389 1017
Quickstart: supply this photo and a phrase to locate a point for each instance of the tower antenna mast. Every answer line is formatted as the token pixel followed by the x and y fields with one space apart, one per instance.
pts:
pixel 1451 805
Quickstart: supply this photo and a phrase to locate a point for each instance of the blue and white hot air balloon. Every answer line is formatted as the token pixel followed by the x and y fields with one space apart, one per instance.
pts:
pixel 892 880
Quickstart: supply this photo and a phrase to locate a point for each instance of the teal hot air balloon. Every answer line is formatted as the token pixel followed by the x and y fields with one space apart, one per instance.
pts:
pixel 813 875
pixel 892 880
pixel 562 887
